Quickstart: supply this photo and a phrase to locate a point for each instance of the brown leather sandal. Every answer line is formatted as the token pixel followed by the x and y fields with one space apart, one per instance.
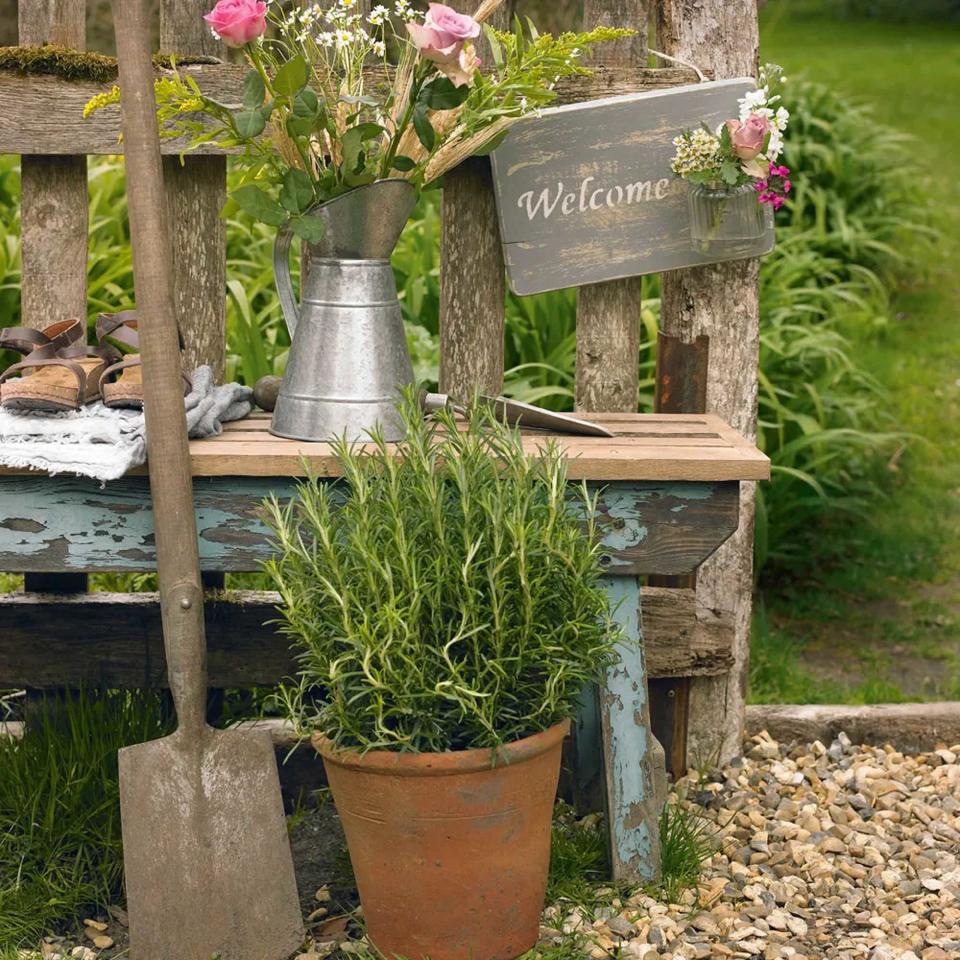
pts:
pixel 121 384
pixel 59 372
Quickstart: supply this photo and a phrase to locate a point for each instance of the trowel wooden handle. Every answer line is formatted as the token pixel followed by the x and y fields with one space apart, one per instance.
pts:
pixel 171 489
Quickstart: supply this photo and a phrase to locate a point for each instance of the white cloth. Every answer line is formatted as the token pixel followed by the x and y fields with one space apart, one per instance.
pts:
pixel 103 442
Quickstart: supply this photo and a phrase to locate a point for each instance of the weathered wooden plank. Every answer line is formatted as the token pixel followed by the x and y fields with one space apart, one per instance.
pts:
pixel 471 300
pixel 56 524
pixel 53 215
pixel 632 808
pixel 721 302
pixel 586 194
pixel 196 192
pixel 44 114
pixel 115 640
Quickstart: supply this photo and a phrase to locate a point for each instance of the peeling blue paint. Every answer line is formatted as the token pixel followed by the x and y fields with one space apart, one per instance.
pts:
pixel 634 830
pixel 50 524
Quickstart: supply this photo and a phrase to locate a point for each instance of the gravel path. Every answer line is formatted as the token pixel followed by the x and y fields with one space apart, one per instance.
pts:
pixel 841 852
pixel 837 852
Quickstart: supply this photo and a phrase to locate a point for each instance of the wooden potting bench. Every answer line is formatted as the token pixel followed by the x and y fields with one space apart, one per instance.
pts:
pixel 668 497
pixel 672 488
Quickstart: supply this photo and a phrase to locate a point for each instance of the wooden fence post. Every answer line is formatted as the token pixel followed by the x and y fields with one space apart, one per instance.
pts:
pixel 720 301
pixel 196 192
pixel 472 283
pixel 54 191
pixel 608 314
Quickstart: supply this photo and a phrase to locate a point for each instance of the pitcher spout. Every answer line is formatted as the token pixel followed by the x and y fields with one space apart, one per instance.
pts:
pixel 365 223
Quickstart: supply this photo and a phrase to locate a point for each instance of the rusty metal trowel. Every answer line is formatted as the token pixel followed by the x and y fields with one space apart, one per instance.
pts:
pixel 519 414
pixel 206 855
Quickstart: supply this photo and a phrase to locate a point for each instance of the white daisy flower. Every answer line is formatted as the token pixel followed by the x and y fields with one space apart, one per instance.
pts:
pixel 378 15
pixel 380 48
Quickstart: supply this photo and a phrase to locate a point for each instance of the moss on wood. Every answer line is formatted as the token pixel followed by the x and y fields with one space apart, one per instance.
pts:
pixel 70 64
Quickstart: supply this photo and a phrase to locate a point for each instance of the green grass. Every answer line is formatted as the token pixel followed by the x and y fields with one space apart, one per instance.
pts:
pixel 60 846
pixel 908 545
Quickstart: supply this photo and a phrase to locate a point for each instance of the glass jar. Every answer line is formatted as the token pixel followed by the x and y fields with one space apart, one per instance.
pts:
pixel 725 222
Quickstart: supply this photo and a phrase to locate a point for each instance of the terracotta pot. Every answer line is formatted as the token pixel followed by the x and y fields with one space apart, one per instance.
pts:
pixel 450 852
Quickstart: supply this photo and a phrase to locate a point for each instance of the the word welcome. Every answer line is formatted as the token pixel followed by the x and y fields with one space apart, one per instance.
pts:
pixel 585 198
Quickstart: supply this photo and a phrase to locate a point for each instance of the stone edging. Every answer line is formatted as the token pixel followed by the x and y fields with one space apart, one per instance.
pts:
pixel 911 727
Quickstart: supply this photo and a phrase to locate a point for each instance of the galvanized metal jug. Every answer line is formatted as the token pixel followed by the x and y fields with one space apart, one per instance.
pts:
pixel 349 358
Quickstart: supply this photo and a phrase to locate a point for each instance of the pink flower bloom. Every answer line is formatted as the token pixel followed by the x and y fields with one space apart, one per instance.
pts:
pixel 238 22
pixel 747 137
pixel 441 36
pixel 461 70
pixel 786 186
pixel 434 45
pixel 443 19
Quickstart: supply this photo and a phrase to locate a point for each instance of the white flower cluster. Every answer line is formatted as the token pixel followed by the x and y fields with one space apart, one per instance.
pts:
pixel 697 151
pixel 764 104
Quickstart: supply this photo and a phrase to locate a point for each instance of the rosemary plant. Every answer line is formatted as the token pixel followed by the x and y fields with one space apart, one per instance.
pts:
pixel 443 595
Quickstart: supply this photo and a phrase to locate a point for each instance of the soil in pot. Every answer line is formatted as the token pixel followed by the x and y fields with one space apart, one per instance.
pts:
pixel 450 851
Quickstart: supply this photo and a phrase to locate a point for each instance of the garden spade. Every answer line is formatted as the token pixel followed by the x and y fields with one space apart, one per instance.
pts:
pixel 206 855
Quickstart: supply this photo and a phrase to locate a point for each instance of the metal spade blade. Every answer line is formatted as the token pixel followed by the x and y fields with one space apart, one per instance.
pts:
pixel 206 855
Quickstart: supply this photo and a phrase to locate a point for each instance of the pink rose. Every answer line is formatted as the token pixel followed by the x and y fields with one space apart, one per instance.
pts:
pixel 237 22
pixel 442 34
pixel 443 19
pixel 747 137
pixel 461 70
pixel 436 46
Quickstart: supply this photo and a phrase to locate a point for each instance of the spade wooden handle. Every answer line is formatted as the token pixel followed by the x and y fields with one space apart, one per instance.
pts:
pixel 178 563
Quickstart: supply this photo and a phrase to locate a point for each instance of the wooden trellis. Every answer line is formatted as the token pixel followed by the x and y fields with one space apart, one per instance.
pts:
pixel 54 634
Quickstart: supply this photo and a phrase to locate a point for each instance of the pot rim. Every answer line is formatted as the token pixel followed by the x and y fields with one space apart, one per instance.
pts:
pixel 450 763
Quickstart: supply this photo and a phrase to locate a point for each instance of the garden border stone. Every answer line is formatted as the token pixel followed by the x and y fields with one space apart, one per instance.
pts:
pixel 911 727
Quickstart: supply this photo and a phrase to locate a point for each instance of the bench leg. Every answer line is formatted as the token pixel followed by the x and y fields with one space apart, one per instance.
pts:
pixel 629 754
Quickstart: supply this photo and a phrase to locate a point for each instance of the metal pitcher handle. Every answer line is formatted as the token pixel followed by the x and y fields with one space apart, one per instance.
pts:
pixel 281 276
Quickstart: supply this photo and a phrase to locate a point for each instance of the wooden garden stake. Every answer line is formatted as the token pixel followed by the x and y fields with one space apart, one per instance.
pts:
pixel 206 856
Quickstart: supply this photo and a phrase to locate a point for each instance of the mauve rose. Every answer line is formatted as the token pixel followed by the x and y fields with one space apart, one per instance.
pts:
pixel 747 137
pixel 442 34
pixel 434 45
pixel 237 22
pixel 443 19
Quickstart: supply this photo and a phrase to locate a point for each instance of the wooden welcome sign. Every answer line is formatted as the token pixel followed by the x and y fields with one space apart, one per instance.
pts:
pixel 585 192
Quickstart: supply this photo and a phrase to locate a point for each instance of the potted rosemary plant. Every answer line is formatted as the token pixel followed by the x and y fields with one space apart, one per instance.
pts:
pixel 444 600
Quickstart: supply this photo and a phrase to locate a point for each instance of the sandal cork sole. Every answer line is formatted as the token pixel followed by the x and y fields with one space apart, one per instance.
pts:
pixel 53 388
pixel 126 390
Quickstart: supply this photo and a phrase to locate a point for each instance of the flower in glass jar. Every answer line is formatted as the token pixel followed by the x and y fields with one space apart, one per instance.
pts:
pixel 775 187
pixel 238 22
pixel 747 137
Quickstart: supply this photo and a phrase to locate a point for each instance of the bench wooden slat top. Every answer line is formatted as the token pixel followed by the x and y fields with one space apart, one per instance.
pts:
pixel 673 447
pixel 646 447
